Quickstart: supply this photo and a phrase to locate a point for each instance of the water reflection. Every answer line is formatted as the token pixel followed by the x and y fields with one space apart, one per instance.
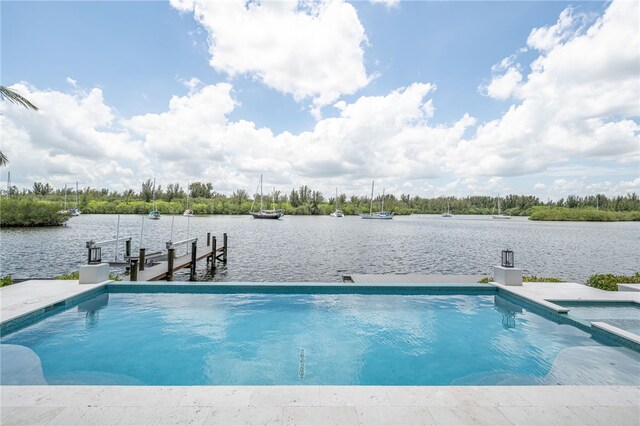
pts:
pixel 508 311
pixel 92 307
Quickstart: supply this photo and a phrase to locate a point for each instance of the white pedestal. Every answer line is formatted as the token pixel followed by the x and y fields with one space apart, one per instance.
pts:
pixel 507 276
pixel 94 274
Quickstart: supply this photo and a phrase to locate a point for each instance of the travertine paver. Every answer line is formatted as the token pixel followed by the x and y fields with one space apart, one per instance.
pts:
pixel 344 405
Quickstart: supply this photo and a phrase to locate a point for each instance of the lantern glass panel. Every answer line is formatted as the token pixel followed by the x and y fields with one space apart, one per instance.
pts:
pixel 507 258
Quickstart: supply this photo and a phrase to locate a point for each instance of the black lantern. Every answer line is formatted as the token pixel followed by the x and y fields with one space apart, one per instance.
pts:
pixel 95 255
pixel 507 258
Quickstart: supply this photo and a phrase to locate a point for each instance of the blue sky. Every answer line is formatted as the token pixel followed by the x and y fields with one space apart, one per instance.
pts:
pixel 128 59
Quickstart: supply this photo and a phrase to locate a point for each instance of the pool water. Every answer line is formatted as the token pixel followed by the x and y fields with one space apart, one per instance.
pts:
pixel 619 314
pixel 314 339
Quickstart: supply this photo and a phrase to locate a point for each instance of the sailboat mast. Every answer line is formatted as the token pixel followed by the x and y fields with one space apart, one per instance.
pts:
pixel 382 207
pixel 65 196
pixel 76 194
pixel 336 198
pixel 260 192
pixel 371 205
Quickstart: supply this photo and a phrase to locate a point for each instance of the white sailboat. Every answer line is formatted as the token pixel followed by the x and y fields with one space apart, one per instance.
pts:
pixel 75 211
pixel 337 213
pixel 377 215
pixel 188 212
pixel 448 212
pixel 500 215
pixel 264 214
pixel 154 214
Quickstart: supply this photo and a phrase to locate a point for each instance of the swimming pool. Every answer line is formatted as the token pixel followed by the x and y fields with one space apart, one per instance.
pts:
pixel 309 335
pixel 624 315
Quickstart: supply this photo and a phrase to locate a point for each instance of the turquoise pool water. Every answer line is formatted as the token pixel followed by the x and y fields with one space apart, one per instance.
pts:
pixel 619 314
pixel 290 338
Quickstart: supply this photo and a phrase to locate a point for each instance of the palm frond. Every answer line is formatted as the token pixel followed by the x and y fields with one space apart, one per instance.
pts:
pixel 11 96
pixel 3 159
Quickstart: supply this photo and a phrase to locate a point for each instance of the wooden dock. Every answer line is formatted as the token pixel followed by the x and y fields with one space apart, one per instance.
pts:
pixel 164 269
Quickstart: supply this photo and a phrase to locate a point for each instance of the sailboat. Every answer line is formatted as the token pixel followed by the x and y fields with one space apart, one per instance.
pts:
pixel 154 214
pixel 264 214
pixel 378 215
pixel 188 212
pixel 448 212
pixel 75 211
pixel 337 213
pixel 64 210
pixel 500 215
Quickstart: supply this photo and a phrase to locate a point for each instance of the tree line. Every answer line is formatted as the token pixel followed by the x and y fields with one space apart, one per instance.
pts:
pixel 303 200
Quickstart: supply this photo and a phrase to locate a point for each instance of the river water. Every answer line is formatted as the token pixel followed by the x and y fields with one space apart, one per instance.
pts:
pixel 322 249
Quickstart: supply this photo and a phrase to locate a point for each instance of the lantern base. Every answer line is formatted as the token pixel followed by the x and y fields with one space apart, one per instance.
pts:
pixel 507 276
pixel 94 274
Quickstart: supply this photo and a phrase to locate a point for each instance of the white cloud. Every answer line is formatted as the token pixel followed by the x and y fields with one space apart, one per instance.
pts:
pixel 578 102
pixel 388 3
pixel 309 49
pixel 504 85
pixel 72 82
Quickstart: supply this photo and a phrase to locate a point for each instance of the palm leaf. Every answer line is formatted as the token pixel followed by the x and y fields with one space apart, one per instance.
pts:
pixel 3 159
pixel 11 96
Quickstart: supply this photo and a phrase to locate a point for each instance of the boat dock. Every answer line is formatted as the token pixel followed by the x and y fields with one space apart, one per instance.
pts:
pixel 162 265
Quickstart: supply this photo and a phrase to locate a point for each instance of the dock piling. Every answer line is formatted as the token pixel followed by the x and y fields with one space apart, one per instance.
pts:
pixel 194 258
pixel 224 247
pixel 133 269
pixel 213 253
pixel 142 258
pixel 208 239
pixel 170 257
pixel 127 248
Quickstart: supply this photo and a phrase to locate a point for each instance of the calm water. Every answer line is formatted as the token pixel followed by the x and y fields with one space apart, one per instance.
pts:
pixel 303 339
pixel 322 249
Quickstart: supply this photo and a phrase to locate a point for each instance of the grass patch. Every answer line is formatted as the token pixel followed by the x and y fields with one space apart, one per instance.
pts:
pixel 610 282
pixel 75 275
pixel 6 280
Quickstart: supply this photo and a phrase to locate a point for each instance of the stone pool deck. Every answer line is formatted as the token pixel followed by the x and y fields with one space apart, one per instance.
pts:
pixel 313 405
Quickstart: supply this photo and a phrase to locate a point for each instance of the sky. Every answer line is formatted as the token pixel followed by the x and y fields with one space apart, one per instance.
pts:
pixel 426 98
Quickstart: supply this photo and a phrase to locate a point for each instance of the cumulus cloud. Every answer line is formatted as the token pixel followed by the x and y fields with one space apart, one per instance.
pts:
pixel 309 49
pixel 578 102
pixel 388 3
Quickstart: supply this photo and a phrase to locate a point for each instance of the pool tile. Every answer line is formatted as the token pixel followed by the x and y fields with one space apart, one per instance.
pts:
pixel 307 396
pixel 350 396
pixel 26 415
pixel 245 416
pixel 543 416
pixel 468 415
pixel 321 416
pixel 392 416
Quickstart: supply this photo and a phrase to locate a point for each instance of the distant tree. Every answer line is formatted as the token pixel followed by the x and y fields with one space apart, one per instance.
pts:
pixel 147 190
pixel 173 192
pixel 240 196
pixel 199 189
pixel 40 188
pixel 13 97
